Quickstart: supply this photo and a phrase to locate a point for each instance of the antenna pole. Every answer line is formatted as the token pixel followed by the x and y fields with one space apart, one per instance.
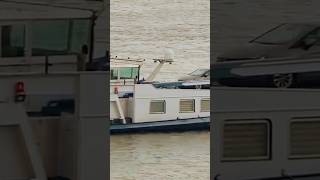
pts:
pixel 156 70
pixel 93 23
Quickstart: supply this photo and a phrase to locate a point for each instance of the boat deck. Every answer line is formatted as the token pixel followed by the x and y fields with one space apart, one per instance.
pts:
pixel 194 124
pixel 182 85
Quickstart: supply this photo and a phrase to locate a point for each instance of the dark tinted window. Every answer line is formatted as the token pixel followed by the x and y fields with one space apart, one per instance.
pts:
pixel 284 34
pixel 50 37
pixel 13 40
pixel 59 36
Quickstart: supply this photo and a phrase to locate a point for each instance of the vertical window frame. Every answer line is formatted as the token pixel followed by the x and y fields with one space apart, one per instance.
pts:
pixel 26 40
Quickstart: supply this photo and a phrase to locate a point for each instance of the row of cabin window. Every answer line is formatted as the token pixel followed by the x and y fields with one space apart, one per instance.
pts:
pixel 54 37
pixel 124 73
pixel 251 140
pixel 186 106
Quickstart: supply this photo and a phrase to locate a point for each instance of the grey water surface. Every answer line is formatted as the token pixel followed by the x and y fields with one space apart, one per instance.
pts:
pixel 143 29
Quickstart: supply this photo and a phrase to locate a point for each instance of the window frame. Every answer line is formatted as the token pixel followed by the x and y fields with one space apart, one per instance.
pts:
pixel 302 119
pixel 305 37
pixel 194 106
pixel 164 106
pixel 204 99
pixel 70 35
pixel 248 121
pixel 28 57
pixel 27 49
pixel 66 52
pixel 118 69
pixel 122 69
pixel 111 74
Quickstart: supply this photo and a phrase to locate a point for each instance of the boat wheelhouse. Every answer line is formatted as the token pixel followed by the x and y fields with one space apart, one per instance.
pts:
pixel 124 74
pixel 46 39
pixel 38 37
pixel 144 105
pixel 36 42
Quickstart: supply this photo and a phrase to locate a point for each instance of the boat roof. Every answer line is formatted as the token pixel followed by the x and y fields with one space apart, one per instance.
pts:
pixel 126 62
pixel 124 65
pixel 303 23
pixel 196 82
pixel 12 11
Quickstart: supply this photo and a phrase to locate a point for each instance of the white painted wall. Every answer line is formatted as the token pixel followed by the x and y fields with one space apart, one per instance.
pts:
pixel 144 93
pixel 277 105
pixel 20 157
pixel 89 128
pixel 92 159
pixel 39 88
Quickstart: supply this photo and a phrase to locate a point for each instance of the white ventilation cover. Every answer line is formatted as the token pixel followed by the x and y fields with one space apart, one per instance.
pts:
pixel 246 140
pixel 305 138
pixel 187 105
pixel 205 105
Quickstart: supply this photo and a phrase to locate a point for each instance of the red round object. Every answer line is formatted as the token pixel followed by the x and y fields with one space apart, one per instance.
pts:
pixel 20 87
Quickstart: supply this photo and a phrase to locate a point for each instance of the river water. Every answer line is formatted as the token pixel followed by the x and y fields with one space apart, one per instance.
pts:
pixel 143 29
pixel 173 156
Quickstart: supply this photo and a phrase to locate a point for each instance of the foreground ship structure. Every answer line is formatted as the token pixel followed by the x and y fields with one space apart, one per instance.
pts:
pixel 266 117
pixel 44 52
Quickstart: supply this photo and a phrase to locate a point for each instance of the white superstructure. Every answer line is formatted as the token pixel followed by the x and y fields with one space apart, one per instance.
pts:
pixel 36 38
pixel 261 133
pixel 136 101
pixel 43 56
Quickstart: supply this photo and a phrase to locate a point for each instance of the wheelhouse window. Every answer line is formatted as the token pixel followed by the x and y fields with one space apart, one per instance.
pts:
pixel 246 140
pixel 125 73
pixel 114 74
pixel 59 37
pixel 157 107
pixel 312 38
pixel 284 33
pixel 13 40
pixel 187 105
pixel 49 37
pixel 128 73
pixel 79 35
